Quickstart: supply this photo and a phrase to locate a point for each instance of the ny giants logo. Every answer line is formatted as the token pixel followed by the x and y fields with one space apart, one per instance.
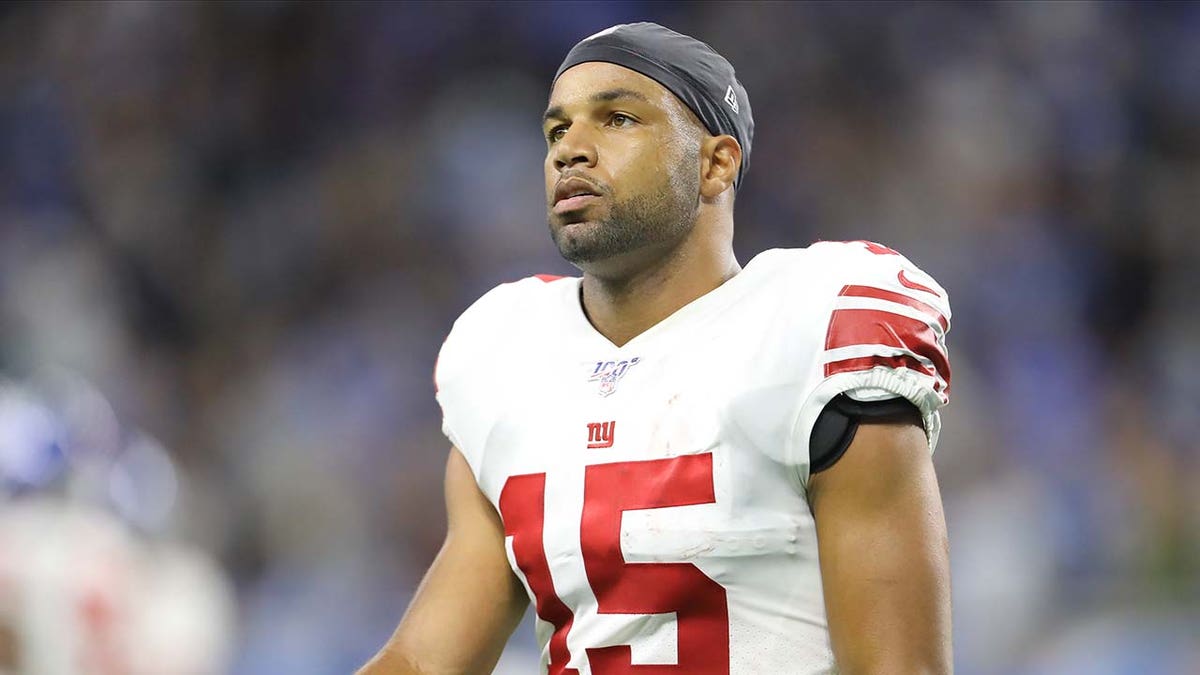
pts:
pixel 608 373
pixel 600 434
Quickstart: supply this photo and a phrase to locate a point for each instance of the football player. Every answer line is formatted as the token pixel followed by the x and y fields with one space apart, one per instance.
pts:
pixel 81 594
pixel 686 466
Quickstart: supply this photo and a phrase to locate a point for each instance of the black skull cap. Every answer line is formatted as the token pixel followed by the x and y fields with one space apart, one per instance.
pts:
pixel 700 77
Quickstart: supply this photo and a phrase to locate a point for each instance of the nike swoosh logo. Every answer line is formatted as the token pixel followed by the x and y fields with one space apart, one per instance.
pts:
pixel 909 283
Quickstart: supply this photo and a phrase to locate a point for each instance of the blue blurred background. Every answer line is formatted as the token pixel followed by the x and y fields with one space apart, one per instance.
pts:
pixel 234 235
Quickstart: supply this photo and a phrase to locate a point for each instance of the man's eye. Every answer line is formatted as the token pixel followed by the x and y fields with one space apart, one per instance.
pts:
pixel 556 134
pixel 620 120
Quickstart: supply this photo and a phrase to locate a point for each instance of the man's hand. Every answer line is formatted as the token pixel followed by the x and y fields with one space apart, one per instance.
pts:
pixel 884 555
pixel 470 601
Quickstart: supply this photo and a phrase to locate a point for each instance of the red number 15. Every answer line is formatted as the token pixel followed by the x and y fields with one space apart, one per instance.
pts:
pixel 698 602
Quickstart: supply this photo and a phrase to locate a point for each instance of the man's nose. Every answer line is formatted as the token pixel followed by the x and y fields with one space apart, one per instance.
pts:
pixel 575 147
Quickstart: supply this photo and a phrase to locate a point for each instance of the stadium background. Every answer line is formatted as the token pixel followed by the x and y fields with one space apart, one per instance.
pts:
pixel 235 234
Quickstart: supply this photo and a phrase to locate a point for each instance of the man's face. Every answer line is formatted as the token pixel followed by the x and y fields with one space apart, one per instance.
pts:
pixel 622 164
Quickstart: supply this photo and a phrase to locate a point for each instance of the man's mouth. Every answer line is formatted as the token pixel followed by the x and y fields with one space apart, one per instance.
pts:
pixel 573 194
pixel 575 203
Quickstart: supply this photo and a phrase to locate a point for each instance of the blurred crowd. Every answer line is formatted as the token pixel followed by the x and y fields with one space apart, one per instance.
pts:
pixel 233 236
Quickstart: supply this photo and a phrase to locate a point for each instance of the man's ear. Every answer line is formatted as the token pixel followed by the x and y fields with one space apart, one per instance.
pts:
pixel 720 159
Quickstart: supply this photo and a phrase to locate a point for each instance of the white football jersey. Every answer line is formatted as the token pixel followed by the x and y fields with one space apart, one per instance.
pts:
pixel 654 494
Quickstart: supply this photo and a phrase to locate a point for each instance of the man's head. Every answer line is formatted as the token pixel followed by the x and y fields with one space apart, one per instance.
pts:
pixel 645 129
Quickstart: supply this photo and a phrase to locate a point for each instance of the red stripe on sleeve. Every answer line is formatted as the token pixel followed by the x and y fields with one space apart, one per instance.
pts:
pixel 854 327
pixel 899 298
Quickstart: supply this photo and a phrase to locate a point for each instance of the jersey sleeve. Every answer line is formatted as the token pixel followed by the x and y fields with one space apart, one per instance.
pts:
pixel 448 375
pixel 468 376
pixel 461 374
pixel 884 337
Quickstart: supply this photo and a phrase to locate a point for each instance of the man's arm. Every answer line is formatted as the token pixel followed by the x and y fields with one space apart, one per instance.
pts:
pixel 469 603
pixel 884 555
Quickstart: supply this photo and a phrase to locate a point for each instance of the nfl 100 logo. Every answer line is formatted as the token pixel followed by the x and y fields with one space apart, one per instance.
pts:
pixel 608 373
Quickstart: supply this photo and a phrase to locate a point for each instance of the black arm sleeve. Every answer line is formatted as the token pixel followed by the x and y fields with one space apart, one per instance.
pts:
pixel 837 423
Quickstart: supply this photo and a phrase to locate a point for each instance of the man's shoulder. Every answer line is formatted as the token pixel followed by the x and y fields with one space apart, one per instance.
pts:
pixel 825 253
pixel 806 289
pixel 509 314
pixel 522 300
pixel 793 273
pixel 836 264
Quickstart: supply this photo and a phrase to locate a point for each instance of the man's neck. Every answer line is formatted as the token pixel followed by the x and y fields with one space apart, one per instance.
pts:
pixel 620 309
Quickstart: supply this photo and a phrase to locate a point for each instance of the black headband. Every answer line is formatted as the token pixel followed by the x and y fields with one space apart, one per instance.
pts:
pixel 687 67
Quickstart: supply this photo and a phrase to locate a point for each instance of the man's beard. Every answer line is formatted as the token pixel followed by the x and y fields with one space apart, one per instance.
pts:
pixel 659 216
